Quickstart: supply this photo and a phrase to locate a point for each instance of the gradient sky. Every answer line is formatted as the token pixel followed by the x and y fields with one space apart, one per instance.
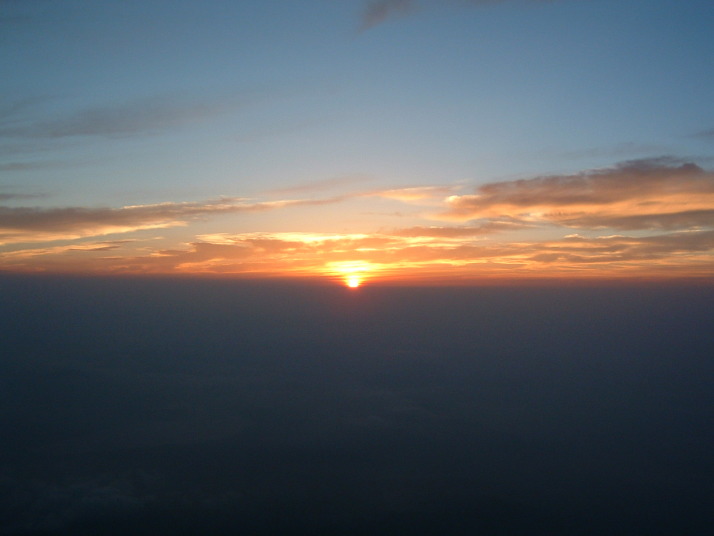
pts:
pixel 398 140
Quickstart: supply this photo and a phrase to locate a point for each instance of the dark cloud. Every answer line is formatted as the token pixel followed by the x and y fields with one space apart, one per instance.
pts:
pixel 628 249
pixel 686 219
pixel 378 11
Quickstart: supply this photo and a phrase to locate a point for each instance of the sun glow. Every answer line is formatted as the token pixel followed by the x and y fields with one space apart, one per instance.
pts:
pixel 352 273
pixel 353 281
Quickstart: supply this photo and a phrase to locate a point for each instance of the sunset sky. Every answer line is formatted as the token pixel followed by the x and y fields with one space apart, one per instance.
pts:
pixel 388 141
pixel 522 190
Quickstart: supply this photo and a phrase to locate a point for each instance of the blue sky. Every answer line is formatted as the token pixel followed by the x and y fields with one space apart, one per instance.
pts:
pixel 300 115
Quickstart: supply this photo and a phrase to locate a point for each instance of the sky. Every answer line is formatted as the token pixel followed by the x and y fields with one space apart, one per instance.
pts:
pixel 523 190
pixel 416 141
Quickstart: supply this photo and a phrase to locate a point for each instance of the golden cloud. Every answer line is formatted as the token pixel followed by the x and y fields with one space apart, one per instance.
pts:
pixel 36 224
pixel 396 257
pixel 634 195
pixel 517 229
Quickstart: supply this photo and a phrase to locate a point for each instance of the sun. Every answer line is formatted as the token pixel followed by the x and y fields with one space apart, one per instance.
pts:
pixel 352 274
pixel 353 281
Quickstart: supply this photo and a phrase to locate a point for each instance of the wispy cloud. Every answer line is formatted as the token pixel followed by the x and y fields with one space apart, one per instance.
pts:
pixel 640 194
pixel 33 224
pixel 137 117
pixel 487 228
pixel 23 166
pixel 705 134
pixel 515 229
pixel 11 196
pixel 320 185
pixel 402 255
pixel 412 194
pixel 378 11
pixel 617 151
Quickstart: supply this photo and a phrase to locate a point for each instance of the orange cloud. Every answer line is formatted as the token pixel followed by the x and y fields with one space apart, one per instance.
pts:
pixel 35 224
pixel 521 229
pixel 396 257
pixel 634 195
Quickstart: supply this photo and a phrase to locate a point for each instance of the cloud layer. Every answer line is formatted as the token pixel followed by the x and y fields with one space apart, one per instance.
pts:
pixel 644 218
pixel 34 224
pixel 643 194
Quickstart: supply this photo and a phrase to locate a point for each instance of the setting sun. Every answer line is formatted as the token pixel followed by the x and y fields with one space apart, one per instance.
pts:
pixel 351 273
pixel 353 281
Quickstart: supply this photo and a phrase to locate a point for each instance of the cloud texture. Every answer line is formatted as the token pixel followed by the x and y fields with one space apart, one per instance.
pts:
pixel 644 218
pixel 643 194
pixel 33 224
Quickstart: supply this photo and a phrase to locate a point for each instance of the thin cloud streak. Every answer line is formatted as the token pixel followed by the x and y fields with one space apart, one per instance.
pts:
pixel 137 117
pixel 319 185
pixel 413 194
pixel 33 224
pixel 402 255
pixel 705 134
pixel 11 197
pixel 378 11
pixel 462 231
